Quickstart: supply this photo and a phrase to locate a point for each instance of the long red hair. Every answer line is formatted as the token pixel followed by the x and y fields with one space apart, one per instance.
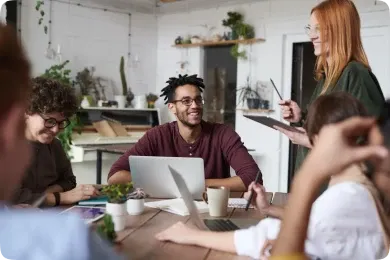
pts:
pixel 339 24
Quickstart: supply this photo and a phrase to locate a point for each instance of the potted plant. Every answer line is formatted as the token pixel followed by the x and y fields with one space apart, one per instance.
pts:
pixel 233 20
pixel 136 201
pixel 249 95
pixel 116 203
pixel 121 99
pixel 88 87
pixel 151 99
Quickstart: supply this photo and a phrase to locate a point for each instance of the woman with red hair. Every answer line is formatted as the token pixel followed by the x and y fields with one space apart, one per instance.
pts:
pixel 342 65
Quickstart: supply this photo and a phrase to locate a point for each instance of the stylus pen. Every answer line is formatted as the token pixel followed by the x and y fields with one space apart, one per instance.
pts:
pixel 273 84
pixel 252 191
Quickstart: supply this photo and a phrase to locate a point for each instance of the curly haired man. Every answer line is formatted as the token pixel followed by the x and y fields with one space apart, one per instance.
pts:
pixel 51 104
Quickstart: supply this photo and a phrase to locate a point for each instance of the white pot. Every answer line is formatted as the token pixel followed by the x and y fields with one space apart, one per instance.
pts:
pixel 116 209
pixel 140 102
pixel 85 102
pixel 121 100
pixel 118 213
pixel 135 206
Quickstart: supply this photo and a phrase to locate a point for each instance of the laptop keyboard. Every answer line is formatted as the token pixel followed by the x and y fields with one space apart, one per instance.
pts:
pixel 220 225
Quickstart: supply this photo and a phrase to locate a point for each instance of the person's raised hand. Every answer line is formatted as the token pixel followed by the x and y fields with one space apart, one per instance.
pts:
pixel 290 111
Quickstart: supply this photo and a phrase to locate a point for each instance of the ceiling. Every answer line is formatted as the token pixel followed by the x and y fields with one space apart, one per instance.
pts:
pixel 164 6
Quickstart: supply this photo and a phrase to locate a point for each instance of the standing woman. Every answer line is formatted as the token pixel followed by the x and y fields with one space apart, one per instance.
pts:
pixel 342 65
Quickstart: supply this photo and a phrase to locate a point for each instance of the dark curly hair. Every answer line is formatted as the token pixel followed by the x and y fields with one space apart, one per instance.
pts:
pixel 173 83
pixel 51 96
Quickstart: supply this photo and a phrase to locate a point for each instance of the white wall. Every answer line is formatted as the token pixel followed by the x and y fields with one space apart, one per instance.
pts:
pixel 92 37
pixel 279 22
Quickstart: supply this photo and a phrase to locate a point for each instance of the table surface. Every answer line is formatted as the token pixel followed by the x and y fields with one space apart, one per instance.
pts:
pixel 138 241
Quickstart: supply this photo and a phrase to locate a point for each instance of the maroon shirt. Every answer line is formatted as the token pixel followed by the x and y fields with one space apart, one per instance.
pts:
pixel 218 145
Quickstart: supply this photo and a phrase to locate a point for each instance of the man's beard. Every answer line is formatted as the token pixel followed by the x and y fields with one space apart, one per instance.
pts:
pixel 183 118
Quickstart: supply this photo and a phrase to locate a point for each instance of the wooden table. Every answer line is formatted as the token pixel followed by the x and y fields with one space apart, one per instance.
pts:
pixel 139 242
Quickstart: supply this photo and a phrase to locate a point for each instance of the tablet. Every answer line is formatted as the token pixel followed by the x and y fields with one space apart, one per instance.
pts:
pixel 88 214
pixel 270 122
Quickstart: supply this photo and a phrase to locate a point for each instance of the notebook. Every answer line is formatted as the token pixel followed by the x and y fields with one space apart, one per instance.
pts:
pixel 101 200
pixel 177 206
pixel 238 203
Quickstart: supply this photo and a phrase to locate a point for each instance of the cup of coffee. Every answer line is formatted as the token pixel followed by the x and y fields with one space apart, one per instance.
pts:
pixel 217 198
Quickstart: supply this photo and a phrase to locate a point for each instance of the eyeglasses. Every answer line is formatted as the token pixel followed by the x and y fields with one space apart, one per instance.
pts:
pixel 312 31
pixel 188 101
pixel 52 122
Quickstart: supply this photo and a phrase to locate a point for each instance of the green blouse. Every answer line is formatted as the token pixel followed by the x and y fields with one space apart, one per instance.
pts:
pixel 360 82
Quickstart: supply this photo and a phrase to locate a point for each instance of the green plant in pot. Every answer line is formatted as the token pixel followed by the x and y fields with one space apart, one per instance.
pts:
pixel 88 86
pixel 116 202
pixel 136 201
pixel 233 20
pixel 249 95
pixel 60 73
pixel 151 99
pixel 127 94
pixel 245 31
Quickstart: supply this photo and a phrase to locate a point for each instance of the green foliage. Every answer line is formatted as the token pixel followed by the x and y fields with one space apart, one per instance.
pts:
pixel 61 74
pixel 247 92
pixel 38 6
pixel 66 135
pixel 107 229
pixel 245 30
pixel 117 193
pixel 233 19
pixel 238 54
pixel 58 72
pixel 123 76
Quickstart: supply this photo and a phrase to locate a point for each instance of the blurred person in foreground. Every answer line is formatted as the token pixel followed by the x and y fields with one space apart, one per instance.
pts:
pixel 29 234
pixel 337 144
pixel 344 222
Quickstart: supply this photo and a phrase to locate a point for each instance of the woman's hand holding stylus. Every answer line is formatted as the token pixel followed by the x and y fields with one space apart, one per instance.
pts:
pixel 259 198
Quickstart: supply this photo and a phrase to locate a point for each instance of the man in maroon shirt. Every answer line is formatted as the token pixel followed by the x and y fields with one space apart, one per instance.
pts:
pixel 218 145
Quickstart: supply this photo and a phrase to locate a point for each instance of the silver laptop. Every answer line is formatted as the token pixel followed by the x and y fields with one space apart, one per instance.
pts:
pixel 152 174
pixel 207 224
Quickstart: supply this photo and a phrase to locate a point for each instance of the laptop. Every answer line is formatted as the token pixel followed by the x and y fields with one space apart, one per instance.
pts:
pixel 151 173
pixel 208 223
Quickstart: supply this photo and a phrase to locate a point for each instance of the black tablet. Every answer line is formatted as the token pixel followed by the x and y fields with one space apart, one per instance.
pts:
pixel 271 122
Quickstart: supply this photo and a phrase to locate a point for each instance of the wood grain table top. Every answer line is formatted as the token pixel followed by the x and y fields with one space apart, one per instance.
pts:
pixel 138 239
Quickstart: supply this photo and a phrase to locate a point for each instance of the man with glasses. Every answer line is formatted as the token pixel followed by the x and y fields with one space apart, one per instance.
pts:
pixel 189 136
pixel 51 104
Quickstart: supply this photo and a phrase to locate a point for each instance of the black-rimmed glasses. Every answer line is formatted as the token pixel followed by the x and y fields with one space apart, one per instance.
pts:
pixel 52 122
pixel 188 101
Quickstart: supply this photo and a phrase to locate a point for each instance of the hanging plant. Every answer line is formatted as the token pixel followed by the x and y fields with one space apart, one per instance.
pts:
pixel 238 54
pixel 38 7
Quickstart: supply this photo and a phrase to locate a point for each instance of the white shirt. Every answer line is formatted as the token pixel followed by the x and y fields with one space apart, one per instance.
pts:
pixel 34 235
pixel 344 224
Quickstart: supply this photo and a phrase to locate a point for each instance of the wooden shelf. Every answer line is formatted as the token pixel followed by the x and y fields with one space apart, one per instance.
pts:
pixel 258 111
pixel 248 41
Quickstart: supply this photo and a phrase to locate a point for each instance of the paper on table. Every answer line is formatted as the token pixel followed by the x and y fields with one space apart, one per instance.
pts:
pixel 239 203
pixel 177 206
